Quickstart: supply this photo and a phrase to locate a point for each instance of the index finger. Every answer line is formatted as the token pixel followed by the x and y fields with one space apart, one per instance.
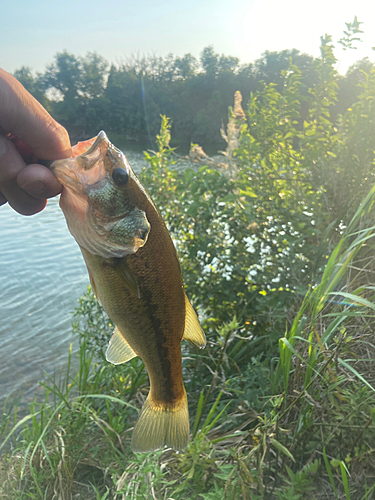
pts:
pixel 23 116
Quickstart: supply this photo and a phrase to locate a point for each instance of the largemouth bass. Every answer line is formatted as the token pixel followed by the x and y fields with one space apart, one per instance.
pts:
pixel 135 275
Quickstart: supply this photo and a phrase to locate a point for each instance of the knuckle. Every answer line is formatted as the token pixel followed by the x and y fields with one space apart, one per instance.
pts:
pixel 59 142
pixel 8 171
pixel 10 162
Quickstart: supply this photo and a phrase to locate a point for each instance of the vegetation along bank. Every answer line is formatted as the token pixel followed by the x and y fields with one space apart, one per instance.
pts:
pixel 277 251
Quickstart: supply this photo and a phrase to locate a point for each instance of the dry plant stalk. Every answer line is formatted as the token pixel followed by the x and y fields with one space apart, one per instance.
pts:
pixel 237 119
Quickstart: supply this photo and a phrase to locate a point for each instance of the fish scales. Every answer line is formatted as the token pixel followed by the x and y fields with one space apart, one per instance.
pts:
pixel 135 274
pixel 159 312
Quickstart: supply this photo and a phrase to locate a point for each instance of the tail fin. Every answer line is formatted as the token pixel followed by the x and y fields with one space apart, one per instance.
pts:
pixel 159 425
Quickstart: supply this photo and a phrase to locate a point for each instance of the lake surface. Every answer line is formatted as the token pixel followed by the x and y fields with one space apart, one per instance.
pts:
pixel 42 275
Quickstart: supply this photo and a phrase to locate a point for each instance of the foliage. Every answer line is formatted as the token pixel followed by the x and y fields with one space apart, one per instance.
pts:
pixel 277 253
pixel 352 30
pixel 88 93
pixel 251 243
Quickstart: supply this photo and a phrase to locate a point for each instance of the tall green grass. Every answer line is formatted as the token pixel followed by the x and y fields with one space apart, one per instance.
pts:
pixel 299 426
pixel 350 305
pixel 320 358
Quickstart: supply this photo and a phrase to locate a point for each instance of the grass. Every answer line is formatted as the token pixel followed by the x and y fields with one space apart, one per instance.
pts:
pixel 298 425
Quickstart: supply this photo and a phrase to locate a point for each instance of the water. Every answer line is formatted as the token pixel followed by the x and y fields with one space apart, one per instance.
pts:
pixel 42 276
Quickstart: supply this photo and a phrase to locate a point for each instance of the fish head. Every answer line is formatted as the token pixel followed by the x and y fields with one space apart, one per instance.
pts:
pixel 101 198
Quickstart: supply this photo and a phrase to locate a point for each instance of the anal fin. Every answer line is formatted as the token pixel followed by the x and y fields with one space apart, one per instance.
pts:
pixel 193 332
pixel 118 350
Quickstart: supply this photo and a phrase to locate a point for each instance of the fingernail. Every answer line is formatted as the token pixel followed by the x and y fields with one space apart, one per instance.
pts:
pixel 3 145
pixel 36 187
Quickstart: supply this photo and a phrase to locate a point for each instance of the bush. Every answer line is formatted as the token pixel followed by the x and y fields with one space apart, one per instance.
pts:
pixel 280 267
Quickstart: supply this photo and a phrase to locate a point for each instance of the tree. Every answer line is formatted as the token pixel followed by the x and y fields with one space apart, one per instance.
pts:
pixel 186 66
pixel 209 60
pixel 64 75
pixel 33 84
pixel 93 70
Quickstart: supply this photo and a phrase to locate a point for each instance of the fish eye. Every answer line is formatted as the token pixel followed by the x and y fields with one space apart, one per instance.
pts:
pixel 120 176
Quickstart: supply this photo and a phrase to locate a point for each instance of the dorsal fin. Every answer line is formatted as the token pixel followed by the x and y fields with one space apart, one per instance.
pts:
pixel 118 350
pixel 193 332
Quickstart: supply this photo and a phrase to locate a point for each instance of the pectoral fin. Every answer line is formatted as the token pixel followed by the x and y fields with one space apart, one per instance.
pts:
pixel 193 332
pixel 128 276
pixel 118 350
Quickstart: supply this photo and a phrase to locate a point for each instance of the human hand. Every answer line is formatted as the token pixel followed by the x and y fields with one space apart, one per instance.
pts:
pixel 27 133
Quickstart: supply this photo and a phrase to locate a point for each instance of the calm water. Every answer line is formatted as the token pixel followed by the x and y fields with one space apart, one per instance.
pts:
pixel 42 275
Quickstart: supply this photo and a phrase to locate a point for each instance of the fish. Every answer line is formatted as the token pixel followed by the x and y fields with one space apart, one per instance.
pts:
pixel 136 276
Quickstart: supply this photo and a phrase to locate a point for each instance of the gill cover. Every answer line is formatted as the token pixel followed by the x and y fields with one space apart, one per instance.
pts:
pixel 99 199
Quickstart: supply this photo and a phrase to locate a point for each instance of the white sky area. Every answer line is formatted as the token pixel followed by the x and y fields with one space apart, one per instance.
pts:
pixel 31 33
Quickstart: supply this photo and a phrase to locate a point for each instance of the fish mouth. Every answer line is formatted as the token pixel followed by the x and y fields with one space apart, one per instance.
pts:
pixel 68 178
pixel 100 214
pixel 87 167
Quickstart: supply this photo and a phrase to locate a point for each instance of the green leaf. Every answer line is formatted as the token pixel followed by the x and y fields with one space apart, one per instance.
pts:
pixel 335 462
pixel 329 471
pixel 282 448
pixel 356 299
pixel 353 370
pixel 344 471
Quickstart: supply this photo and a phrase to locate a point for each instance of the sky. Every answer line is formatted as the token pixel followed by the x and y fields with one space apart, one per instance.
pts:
pixel 31 33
